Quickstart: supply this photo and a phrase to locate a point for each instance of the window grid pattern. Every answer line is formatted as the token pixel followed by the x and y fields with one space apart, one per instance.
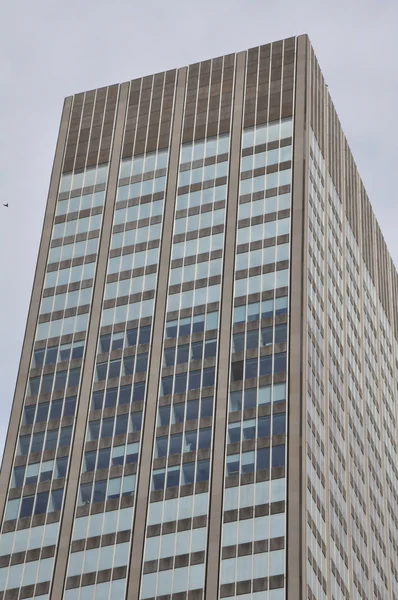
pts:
pixel 182 452
pixel 256 436
pixel 42 454
pixel 105 507
pixel 357 345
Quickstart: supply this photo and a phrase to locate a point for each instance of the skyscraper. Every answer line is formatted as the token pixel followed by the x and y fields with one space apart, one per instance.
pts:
pixel 206 402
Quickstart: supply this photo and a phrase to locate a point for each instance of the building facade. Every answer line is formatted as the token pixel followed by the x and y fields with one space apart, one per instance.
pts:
pixel 206 402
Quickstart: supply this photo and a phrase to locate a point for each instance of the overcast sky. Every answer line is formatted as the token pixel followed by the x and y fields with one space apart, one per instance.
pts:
pixel 52 49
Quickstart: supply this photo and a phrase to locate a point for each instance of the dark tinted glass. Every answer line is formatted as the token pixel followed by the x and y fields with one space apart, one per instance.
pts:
pixel 60 380
pixel 169 356
pixel 266 365
pixel 56 498
pixel 104 458
pixel 27 506
pixel 237 370
pixel 192 409
pixel 29 414
pixel 125 394
pixel 263 458
pixel 41 503
pixel 279 424
pixel 56 409
pixel 180 383
pixel 141 363
pixel 38 357
pixel 145 335
pixel 65 436
pixel 107 427
pixel 264 426
pixel 196 351
pixel 105 343
pixel 97 400
pixel 175 444
pixel 204 438
pixel 89 461
pixel 208 377
pixel 51 355
pixel 117 341
pixel 195 380
pixel 19 474
pixel 206 407
pixel 179 412
pixel 164 415
pixel 250 398
pixel 51 439
pixel 128 365
pixel 37 442
pixel 99 494
pixel 42 412
pixel 69 406
pixel 121 424
pixel 74 377
pixel 131 337
pixel 138 392
pixel 136 420
pixel 77 350
pixel 278 456
pixel 252 339
pixel 114 368
pixel 62 465
pixel 161 446
pixel 210 348
pixel 47 383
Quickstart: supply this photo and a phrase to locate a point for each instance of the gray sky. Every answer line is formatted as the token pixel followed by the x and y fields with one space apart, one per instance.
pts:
pixel 52 49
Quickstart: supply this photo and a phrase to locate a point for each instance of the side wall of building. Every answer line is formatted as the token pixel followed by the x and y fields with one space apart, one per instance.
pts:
pixel 351 396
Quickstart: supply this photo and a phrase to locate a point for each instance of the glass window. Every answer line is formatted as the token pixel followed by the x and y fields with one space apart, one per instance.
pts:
pixel 37 442
pixel 41 503
pixel 12 509
pixel 99 492
pixel 51 439
pixel 175 444
pixel 178 412
pixel 107 427
pixel 42 412
pixel 47 469
pixel 164 415
pixel 29 414
pixel 69 406
pixel 279 424
pixel 94 429
pixel 278 456
pixel 206 407
pixel 121 424
pixel 85 493
pixel 56 499
pixel 62 465
pixel 264 426
pixel 56 409
pixel 27 504
pixel 192 410
pixel 18 477
pixel 65 436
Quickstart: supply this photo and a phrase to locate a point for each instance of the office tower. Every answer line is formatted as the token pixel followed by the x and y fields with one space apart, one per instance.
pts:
pixel 206 402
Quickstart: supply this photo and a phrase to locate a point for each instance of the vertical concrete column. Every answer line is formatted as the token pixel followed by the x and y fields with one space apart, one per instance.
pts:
pixel 144 478
pixel 33 314
pixel 219 436
pixel 77 446
pixel 295 574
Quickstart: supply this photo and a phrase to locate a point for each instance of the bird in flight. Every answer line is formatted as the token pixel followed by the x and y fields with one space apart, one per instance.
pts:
pixel 5 204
